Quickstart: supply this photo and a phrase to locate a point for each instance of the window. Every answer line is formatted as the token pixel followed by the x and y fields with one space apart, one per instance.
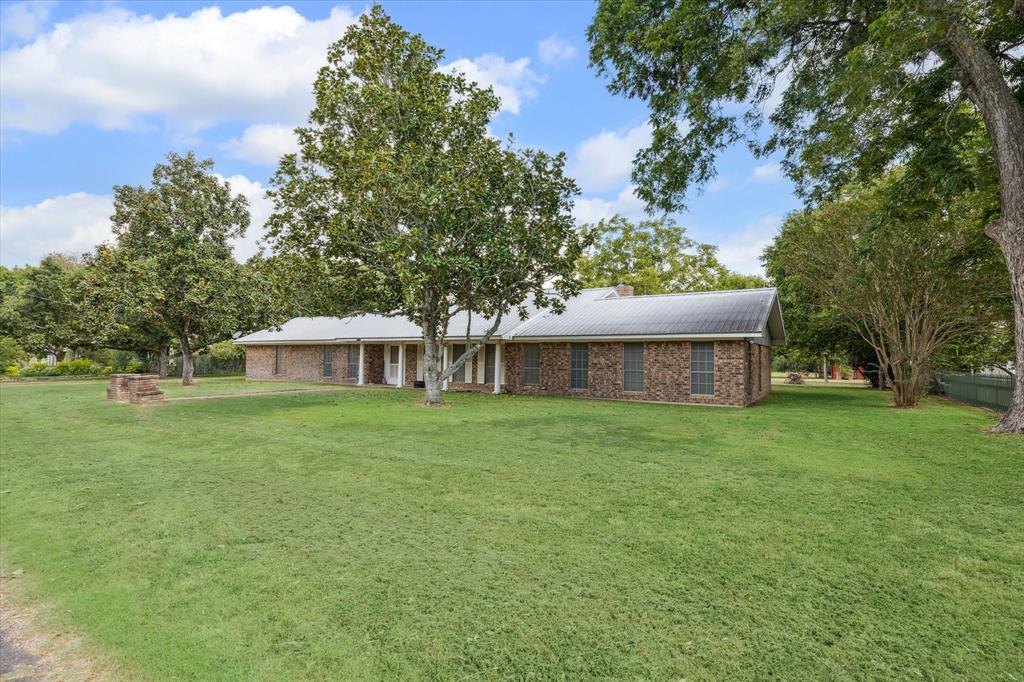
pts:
pixel 489 354
pixel 579 364
pixel 328 361
pixel 531 364
pixel 352 370
pixel 633 367
pixel 457 350
pixel 702 368
pixel 279 360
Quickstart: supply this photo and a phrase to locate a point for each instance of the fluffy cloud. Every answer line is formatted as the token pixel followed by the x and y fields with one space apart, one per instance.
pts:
pixel 626 203
pixel 72 223
pixel 513 82
pixel 605 161
pixel 76 223
pixel 260 208
pixel 22 20
pixel 263 143
pixel 768 172
pixel 741 251
pixel 119 70
pixel 553 50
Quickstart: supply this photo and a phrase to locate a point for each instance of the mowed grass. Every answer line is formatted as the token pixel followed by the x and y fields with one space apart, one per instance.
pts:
pixel 356 535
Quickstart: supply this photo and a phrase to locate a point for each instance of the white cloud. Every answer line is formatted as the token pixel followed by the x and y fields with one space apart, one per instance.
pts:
pixel 76 223
pixel 118 70
pixel 625 204
pixel 71 223
pixel 513 82
pixel 553 50
pixel 768 172
pixel 263 143
pixel 22 20
pixel 741 251
pixel 260 208
pixel 606 160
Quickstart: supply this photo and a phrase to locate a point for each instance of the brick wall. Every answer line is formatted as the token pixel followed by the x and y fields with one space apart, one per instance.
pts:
pixel 373 364
pixel 666 372
pixel 301 363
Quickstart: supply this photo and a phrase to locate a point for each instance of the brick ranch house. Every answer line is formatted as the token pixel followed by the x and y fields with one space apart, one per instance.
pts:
pixel 709 348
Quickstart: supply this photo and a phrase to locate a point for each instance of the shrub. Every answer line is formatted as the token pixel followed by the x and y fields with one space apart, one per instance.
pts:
pixel 12 371
pixel 80 367
pixel 11 353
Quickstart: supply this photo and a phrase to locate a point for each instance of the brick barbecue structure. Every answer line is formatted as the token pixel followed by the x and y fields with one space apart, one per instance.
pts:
pixel 709 348
pixel 137 389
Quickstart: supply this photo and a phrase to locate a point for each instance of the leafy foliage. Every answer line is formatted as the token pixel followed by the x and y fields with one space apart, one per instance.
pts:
pixel 400 202
pixel 847 88
pixel 40 305
pixel 909 278
pixel 656 257
pixel 171 271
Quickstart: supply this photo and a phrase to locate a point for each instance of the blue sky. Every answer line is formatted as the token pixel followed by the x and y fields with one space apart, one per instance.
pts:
pixel 95 93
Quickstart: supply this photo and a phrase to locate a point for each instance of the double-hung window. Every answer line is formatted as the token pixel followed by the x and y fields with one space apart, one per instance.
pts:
pixel 633 367
pixel 352 364
pixel 579 365
pixel 328 361
pixel 489 356
pixel 279 360
pixel 531 364
pixel 457 350
pixel 702 368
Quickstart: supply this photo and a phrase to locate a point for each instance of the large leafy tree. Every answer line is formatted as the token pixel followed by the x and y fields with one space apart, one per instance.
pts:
pixel 910 278
pixel 120 294
pixel 41 306
pixel 401 202
pixel 174 258
pixel 656 257
pixel 848 88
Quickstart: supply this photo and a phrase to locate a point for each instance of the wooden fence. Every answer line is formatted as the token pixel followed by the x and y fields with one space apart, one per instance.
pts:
pixel 984 390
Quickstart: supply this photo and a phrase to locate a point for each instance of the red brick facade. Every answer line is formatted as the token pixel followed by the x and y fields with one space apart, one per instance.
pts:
pixel 738 381
pixel 742 370
pixel 301 363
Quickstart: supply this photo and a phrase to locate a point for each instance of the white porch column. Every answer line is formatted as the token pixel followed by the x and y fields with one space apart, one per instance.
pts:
pixel 362 364
pixel 401 365
pixel 444 366
pixel 497 367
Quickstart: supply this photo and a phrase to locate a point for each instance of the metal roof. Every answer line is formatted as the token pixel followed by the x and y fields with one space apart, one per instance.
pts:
pixel 595 313
pixel 745 311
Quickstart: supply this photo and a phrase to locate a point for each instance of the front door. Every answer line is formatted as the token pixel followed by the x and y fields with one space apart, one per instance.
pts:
pixel 392 362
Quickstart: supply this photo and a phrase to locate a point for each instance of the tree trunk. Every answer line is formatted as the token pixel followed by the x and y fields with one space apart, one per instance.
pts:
pixel 1013 249
pixel 1004 123
pixel 432 371
pixel 187 363
pixel 163 357
pixel 59 354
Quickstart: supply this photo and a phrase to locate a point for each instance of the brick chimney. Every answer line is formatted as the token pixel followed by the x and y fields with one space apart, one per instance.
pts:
pixel 623 290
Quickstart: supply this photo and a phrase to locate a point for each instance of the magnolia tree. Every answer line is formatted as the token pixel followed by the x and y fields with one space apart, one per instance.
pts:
pixel 849 90
pixel 172 263
pixel 401 202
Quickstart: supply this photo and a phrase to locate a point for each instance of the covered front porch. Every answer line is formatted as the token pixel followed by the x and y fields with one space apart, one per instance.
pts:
pixel 400 363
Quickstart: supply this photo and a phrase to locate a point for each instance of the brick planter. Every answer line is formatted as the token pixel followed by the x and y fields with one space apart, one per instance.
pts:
pixel 137 389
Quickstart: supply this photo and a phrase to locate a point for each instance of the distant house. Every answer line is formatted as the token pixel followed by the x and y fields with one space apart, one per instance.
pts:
pixel 708 348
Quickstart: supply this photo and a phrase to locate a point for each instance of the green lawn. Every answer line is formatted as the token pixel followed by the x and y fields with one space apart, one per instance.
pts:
pixel 356 535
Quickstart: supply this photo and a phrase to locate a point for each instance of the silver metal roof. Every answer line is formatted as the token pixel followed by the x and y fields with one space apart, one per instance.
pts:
pixel 595 313
pixel 742 312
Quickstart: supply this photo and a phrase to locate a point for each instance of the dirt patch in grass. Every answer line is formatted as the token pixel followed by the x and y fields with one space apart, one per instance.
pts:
pixel 31 652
